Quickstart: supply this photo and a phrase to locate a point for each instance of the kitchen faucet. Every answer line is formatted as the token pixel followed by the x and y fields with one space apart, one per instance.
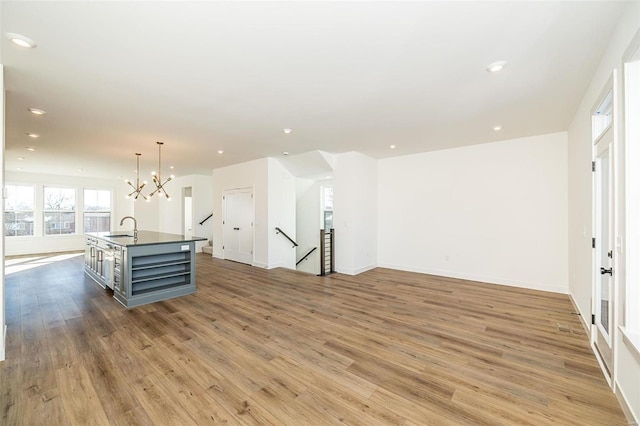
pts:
pixel 135 225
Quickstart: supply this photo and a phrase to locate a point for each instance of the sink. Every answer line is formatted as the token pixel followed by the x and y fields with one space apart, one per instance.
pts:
pixel 118 235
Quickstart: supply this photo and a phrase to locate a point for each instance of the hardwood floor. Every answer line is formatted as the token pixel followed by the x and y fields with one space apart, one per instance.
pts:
pixel 256 346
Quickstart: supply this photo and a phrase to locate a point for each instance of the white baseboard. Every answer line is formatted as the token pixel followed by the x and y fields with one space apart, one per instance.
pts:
pixel 357 270
pixel 626 409
pixel 583 318
pixel 481 278
pixel 259 265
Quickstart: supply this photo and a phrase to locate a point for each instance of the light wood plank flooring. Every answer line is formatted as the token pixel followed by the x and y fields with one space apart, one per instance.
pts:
pixel 279 347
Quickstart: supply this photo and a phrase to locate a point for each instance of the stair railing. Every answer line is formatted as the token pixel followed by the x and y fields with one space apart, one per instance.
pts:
pixel 207 218
pixel 280 231
pixel 327 250
pixel 303 258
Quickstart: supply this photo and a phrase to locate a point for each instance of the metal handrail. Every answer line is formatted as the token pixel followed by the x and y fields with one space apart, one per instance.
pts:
pixel 206 219
pixel 280 231
pixel 306 255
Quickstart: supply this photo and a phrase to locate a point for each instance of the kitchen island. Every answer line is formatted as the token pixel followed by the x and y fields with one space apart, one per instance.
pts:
pixel 154 266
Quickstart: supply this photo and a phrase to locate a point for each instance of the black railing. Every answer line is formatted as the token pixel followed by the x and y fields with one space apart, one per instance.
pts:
pixel 207 218
pixel 306 255
pixel 280 231
pixel 327 250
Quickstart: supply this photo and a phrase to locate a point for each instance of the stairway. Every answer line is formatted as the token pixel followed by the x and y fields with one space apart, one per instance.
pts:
pixel 208 248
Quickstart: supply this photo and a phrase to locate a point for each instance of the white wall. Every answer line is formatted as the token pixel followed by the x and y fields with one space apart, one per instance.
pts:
pixel 60 243
pixel 170 213
pixel 355 203
pixel 627 362
pixel 146 212
pixel 274 205
pixel 252 174
pixel 281 213
pixel 494 212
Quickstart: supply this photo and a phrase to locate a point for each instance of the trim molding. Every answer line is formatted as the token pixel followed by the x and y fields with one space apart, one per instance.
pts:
pixel 626 409
pixel 584 322
pixel 632 341
pixel 356 271
pixel 480 278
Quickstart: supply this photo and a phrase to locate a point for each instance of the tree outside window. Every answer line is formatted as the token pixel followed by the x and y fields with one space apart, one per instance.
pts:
pixel 19 210
pixel 97 210
pixel 59 211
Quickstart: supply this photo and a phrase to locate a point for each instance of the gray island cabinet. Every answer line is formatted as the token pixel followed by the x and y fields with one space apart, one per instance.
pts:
pixel 154 266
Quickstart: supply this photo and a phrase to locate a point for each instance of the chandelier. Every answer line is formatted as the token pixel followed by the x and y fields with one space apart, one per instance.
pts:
pixel 137 188
pixel 157 177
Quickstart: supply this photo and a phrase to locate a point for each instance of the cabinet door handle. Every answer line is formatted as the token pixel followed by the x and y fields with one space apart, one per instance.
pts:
pixel 92 252
pixel 100 253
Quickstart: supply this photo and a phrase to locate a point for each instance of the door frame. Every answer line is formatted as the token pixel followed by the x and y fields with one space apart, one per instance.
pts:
pixel 253 216
pixel 609 368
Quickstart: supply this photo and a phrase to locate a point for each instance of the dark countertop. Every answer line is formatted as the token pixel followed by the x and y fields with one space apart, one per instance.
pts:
pixel 144 238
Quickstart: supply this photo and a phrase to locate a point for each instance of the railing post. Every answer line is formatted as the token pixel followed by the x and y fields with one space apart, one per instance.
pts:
pixel 322 253
pixel 333 251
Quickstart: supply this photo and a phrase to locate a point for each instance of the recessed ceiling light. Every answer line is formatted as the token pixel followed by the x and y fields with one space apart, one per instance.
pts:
pixel 30 148
pixel 497 128
pixel 287 131
pixel 285 152
pixel 20 158
pixel 21 40
pixel 171 167
pixel 220 151
pixel 80 170
pixel 496 66
pixel 33 135
pixel 37 111
pixel 392 146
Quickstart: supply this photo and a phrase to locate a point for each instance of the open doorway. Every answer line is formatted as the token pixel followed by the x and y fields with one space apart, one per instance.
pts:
pixel 314 212
pixel 187 212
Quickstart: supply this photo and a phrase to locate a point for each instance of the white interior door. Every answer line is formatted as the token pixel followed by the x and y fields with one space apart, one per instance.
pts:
pixel 237 225
pixel 604 282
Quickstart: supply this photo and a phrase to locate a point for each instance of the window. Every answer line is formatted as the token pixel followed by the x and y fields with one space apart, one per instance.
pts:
pixel 327 208
pixel 19 210
pixel 631 304
pixel 59 211
pixel 97 210
pixel 601 117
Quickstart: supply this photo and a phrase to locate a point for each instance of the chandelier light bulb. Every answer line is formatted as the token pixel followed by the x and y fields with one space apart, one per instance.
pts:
pixel 137 188
pixel 157 177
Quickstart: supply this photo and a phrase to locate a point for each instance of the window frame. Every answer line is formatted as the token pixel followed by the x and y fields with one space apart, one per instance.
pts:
pixel 84 211
pixel 74 210
pixel 630 326
pixel 33 210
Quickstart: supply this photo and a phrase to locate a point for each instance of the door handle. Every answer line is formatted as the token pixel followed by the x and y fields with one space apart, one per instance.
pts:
pixel 606 271
pixel 236 229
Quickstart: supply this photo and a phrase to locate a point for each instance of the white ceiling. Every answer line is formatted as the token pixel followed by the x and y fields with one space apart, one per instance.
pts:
pixel 114 77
